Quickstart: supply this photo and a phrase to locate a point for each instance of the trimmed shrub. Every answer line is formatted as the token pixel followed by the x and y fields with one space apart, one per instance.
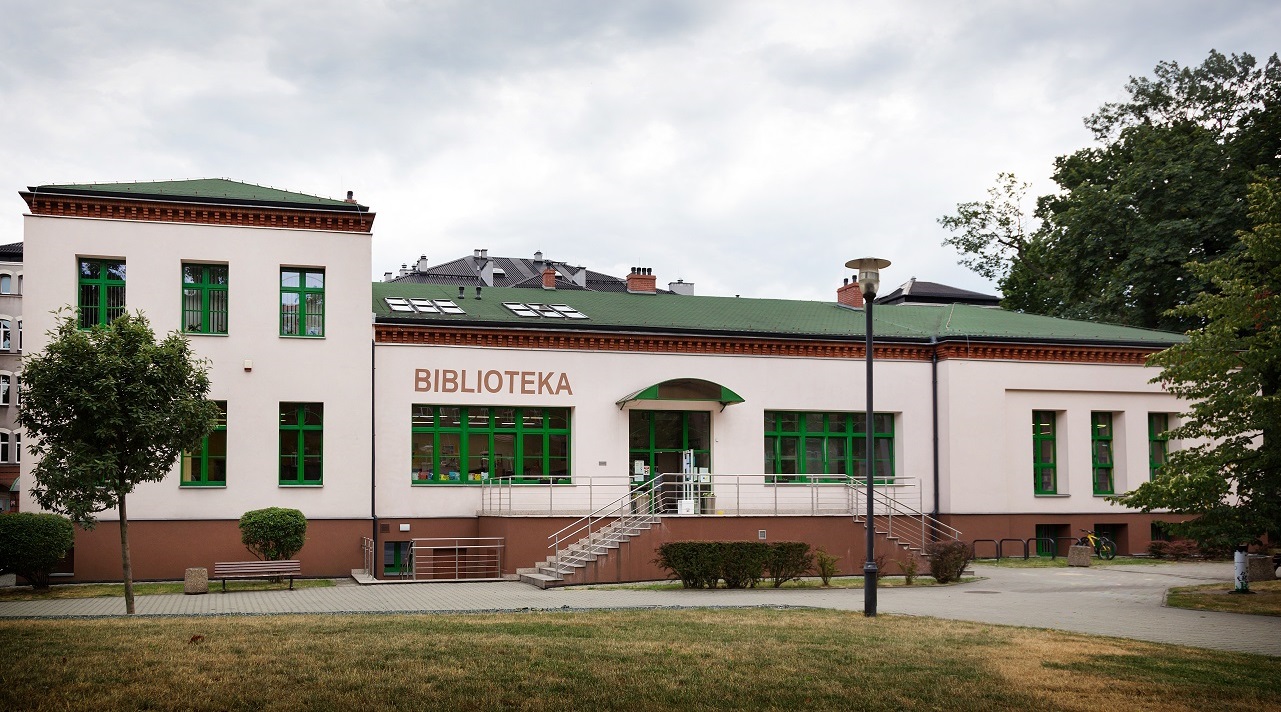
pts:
pixel 274 533
pixel 948 560
pixel 743 563
pixel 788 560
pixel 696 563
pixel 32 544
pixel 1181 549
pixel 1159 549
pixel 825 565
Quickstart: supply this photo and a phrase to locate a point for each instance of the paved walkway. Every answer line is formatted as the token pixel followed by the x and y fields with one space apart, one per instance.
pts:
pixel 1115 601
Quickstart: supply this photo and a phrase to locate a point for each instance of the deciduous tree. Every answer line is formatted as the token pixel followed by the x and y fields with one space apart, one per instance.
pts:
pixel 107 409
pixel 1229 371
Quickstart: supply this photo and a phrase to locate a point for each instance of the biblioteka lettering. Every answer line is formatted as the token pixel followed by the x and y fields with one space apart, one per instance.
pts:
pixel 445 380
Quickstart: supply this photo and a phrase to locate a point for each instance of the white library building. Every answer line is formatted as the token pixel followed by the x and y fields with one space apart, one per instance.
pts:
pixel 478 417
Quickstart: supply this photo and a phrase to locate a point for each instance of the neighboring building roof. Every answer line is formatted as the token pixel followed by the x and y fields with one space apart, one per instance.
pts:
pixel 733 316
pixel 11 252
pixel 211 190
pixel 517 272
pixel 915 291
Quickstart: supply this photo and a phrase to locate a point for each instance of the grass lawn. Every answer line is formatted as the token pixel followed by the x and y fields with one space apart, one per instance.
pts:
pixel 636 660
pixel 805 583
pixel 117 590
pixel 1265 598
pixel 1039 562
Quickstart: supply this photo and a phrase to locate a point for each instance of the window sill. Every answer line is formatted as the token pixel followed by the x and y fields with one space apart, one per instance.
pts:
pixel 1052 495
pixel 1101 495
pixel 301 336
pixel 201 333
pixel 200 487
pixel 300 486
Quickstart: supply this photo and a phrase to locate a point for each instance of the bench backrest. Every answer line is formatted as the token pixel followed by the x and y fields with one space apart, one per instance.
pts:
pixel 288 566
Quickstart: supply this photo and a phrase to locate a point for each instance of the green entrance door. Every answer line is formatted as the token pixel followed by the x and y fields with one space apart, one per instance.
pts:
pixel 658 437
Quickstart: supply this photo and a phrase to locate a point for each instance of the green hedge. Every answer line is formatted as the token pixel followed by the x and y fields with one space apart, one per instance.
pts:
pixel 32 544
pixel 274 533
pixel 741 564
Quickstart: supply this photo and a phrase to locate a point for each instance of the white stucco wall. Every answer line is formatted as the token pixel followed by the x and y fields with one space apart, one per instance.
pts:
pixel 986 424
pixel 599 430
pixel 333 370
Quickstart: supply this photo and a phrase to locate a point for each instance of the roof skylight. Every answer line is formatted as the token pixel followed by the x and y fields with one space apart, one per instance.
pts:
pixel 547 311
pixel 423 306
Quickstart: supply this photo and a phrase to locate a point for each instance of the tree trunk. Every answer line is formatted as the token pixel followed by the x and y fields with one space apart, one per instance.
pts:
pixel 126 566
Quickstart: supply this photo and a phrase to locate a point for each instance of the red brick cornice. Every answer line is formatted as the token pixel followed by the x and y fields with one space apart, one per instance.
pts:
pixel 743 346
pixel 200 213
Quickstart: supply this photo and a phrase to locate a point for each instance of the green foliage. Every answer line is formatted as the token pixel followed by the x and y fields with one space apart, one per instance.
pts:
pixel 910 566
pixel 825 565
pixel 274 533
pixel 109 408
pixel 1165 183
pixel 32 544
pixel 1229 372
pixel 948 560
pixel 788 560
pixel 742 564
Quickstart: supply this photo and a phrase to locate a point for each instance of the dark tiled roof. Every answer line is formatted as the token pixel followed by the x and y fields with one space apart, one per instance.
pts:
pixel 11 252
pixel 516 272
pixel 916 291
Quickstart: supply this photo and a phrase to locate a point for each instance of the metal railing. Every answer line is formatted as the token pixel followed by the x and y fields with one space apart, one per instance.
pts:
pixel 367 554
pixel 456 558
pixel 723 495
pixel 608 525
pixel 915 529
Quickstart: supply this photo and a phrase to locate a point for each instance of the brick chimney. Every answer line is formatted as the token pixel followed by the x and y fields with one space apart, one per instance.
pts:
pixel 641 280
pixel 549 278
pixel 849 294
pixel 351 197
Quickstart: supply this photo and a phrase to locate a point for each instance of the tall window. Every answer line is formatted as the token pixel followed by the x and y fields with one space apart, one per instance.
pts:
pixel 302 302
pixel 1101 449
pixel 819 447
pixel 472 444
pixel 6 335
pixel 207 465
pixel 1044 453
pixel 102 291
pixel 6 284
pixel 6 388
pixel 4 447
pixel 17 447
pixel 302 438
pixel 204 299
pixel 1158 442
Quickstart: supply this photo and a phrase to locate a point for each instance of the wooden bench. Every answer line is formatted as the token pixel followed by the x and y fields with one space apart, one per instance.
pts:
pixel 257 569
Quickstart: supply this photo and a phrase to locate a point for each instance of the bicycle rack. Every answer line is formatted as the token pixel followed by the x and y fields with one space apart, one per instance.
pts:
pixel 1054 544
pixel 974 546
pixel 1000 547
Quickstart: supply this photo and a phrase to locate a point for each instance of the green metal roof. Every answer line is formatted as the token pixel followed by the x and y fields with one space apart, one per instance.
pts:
pixel 216 189
pixel 723 316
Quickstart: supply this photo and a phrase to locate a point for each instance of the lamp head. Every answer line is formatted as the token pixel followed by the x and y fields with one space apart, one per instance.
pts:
pixel 869 274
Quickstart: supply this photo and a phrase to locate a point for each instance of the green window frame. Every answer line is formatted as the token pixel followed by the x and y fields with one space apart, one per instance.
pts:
pixel 659 437
pixel 471 445
pixel 1102 453
pixel 204 299
pixel 1158 442
pixel 302 302
pixel 302 443
pixel 206 466
pixel 1045 478
pixel 101 292
pixel 826 446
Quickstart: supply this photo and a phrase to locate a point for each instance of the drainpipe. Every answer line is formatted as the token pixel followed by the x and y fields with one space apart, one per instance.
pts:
pixel 373 451
pixel 934 392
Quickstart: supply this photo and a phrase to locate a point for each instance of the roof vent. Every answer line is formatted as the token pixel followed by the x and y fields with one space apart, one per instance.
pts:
pixel 462 292
pixel 422 264
pixel 351 197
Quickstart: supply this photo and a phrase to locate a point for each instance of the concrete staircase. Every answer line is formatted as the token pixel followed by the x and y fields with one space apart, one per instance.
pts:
pixel 571 564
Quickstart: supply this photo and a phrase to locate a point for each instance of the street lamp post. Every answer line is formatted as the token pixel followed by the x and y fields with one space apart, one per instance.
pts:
pixel 869 280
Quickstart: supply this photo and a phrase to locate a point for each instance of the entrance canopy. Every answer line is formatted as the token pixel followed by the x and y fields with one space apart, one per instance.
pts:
pixel 684 389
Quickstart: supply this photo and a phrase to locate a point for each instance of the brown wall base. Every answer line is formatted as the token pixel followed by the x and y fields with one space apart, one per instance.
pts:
pixel 1134 530
pixel 165 549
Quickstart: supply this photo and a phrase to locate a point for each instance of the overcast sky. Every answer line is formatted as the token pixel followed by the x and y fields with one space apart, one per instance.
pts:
pixel 751 148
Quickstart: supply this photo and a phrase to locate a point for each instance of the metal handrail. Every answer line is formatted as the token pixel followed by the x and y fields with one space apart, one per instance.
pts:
pixel 486 558
pixel 643 503
pixel 367 553
pixel 931 529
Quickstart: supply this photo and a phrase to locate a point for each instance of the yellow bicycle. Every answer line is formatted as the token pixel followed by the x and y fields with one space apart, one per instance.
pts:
pixel 1103 546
